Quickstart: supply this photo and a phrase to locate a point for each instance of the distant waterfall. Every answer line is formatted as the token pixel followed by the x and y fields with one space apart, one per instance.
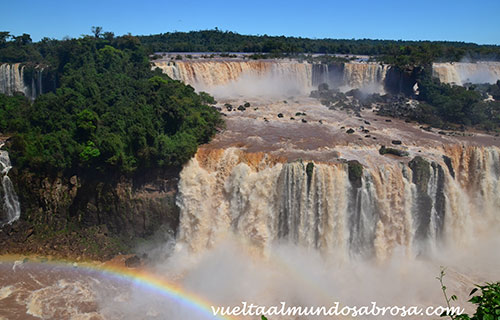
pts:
pixel 353 75
pixel 12 80
pixel 245 78
pixel 365 75
pixel 331 74
pixel 263 77
pixel 417 206
pixel 10 210
pixel 464 72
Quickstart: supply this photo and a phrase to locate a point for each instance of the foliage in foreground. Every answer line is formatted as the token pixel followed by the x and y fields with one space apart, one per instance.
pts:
pixel 488 301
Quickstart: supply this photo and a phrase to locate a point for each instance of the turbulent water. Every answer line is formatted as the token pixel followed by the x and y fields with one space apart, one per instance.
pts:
pixel 232 78
pixel 272 77
pixel 292 208
pixel 10 210
pixel 417 206
pixel 464 72
pixel 12 80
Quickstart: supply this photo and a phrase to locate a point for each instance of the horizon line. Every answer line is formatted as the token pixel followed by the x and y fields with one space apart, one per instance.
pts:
pixel 67 37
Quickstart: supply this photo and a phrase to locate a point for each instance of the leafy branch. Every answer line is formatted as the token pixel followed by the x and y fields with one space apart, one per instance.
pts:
pixel 488 302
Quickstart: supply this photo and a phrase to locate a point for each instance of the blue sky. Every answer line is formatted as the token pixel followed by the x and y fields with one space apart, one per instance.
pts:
pixel 472 21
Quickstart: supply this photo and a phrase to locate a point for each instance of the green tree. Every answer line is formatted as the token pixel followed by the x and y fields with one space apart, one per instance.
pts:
pixel 97 31
pixel 110 113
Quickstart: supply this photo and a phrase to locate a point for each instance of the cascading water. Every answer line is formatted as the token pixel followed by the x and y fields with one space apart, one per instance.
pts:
pixel 273 76
pixel 246 78
pixel 12 80
pixel 36 88
pixel 305 199
pixel 368 76
pixel 465 72
pixel 331 74
pixel 10 210
pixel 256 227
pixel 325 206
pixel 239 76
pixel 363 216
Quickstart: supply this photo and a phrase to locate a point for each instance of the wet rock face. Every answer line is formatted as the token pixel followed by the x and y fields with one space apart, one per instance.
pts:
pixel 401 81
pixel 3 212
pixel 447 161
pixel 126 206
pixel 429 181
pixel 440 200
pixel 421 173
pixel 355 173
pixel 361 232
pixel 421 176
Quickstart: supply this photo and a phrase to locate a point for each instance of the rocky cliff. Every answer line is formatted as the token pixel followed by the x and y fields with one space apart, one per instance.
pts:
pixel 61 213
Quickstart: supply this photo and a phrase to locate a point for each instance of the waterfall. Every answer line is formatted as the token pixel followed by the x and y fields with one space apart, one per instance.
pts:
pixel 12 80
pixel 368 76
pixel 418 206
pixel 36 87
pixel 265 77
pixel 363 217
pixel 10 210
pixel 305 202
pixel 331 74
pixel 464 72
pixel 245 78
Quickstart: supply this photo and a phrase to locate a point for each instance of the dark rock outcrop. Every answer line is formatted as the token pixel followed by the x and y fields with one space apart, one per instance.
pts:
pixel 427 201
pixel 421 176
pixel 400 153
pixel 448 163
pixel 133 262
pixel 127 207
pixel 399 81
pixel 355 170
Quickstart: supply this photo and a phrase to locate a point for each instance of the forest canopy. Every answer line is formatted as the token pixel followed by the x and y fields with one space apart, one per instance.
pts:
pixel 395 52
pixel 109 110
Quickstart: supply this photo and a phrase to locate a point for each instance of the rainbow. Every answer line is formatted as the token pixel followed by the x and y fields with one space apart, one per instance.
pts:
pixel 138 277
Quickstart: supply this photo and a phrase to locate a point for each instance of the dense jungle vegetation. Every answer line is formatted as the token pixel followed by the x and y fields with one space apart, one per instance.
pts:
pixel 444 105
pixel 399 52
pixel 396 52
pixel 110 111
